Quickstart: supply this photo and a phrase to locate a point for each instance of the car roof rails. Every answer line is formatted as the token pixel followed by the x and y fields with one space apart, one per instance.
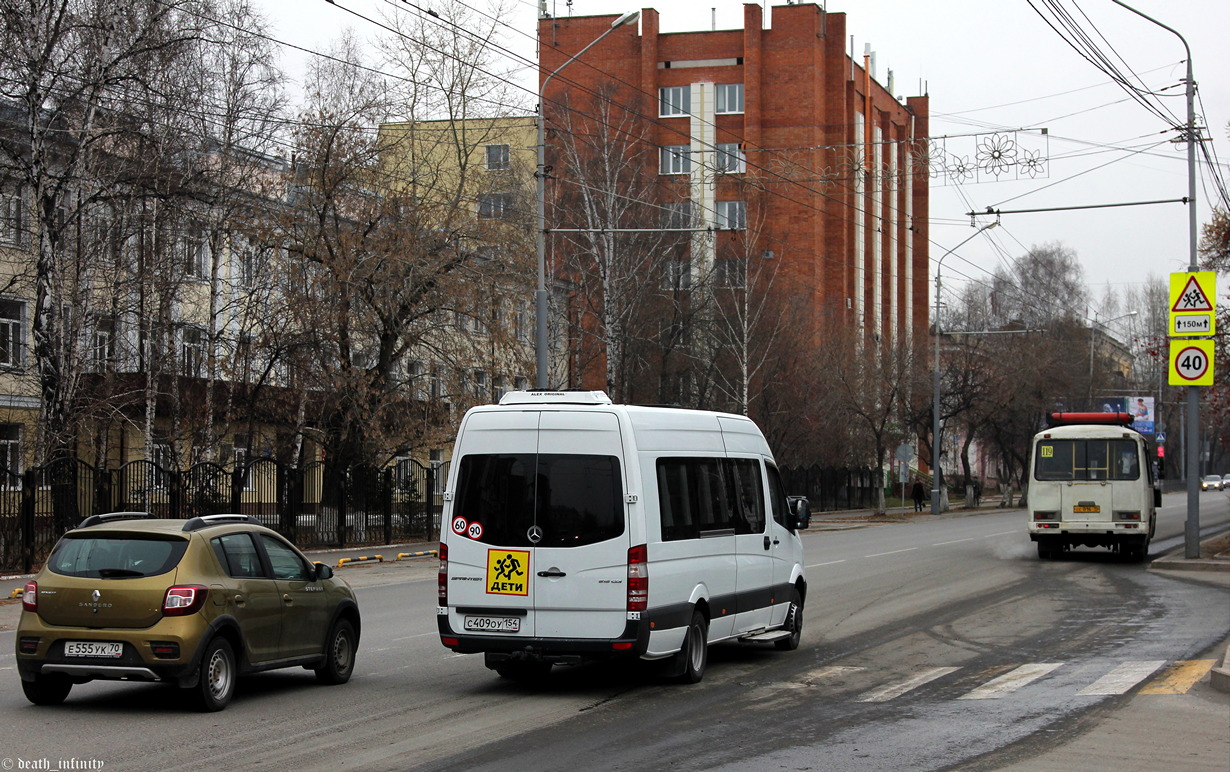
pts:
pixel 109 517
pixel 204 521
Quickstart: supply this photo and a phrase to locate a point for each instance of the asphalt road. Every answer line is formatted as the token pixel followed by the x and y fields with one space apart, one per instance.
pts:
pixel 930 645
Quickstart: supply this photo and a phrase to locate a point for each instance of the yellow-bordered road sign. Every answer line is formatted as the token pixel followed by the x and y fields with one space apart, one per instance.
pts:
pixel 1193 303
pixel 1191 363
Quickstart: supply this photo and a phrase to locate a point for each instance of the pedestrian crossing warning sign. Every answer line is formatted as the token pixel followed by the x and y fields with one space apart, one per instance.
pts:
pixel 1193 303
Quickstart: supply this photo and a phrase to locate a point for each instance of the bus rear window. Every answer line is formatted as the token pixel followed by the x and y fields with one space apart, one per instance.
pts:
pixel 1086 459
pixel 574 499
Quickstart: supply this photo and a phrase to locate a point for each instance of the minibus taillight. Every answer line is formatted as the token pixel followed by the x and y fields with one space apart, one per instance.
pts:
pixel 442 577
pixel 638 578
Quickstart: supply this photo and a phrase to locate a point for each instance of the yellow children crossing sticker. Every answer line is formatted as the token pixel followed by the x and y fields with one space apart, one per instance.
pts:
pixel 507 571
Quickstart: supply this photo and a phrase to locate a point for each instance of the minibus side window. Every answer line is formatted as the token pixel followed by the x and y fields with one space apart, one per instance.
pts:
pixel 696 497
pixel 746 494
pixel 777 496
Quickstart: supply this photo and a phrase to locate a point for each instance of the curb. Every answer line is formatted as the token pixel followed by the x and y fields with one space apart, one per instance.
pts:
pixel 1219 676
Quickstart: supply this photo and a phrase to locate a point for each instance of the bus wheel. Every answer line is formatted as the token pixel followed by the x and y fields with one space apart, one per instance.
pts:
pixel 1044 551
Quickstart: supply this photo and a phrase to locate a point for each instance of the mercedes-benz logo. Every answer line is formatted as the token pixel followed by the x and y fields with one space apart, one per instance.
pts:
pixel 95 596
pixel 534 534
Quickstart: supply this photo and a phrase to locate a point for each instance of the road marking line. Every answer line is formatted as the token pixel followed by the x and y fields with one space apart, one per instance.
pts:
pixel 891 691
pixel 1011 681
pixel 1001 533
pixel 830 563
pixel 946 543
pixel 1122 678
pixel 408 637
pixel 1179 677
pixel 829 671
pixel 894 552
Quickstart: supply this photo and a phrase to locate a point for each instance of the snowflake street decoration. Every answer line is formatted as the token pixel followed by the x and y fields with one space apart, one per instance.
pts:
pixel 996 154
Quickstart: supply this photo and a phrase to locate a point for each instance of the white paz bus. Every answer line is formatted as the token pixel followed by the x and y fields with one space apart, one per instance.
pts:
pixel 1091 484
pixel 576 530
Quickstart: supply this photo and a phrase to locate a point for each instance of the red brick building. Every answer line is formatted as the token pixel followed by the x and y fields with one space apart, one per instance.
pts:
pixel 842 193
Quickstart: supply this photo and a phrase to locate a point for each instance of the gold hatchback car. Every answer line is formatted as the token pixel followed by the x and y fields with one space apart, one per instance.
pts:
pixel 192 602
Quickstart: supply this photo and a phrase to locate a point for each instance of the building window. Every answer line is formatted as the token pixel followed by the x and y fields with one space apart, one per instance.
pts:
pixel 103 348
pixel 436 459
pixel 677 214
pixel 10 455
pixel 478 386
pixel 521 383
pixel 678 275
pixel 729 272
pixel 196 253
pixel 11 226
pixel 12 313
pixel 497 158
pixel 675 159
pixel 674 100
pixel 731 215
pixel 498 388
pixel 730 158
pixel 416 378
pixel 494 206
pixel 729 98
pixel 437 381
pixel 192 352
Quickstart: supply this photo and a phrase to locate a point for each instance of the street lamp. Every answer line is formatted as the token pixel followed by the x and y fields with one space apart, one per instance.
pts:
pixel 935 395
pixel 540 297
pixel 1100 324
pixel 1191 529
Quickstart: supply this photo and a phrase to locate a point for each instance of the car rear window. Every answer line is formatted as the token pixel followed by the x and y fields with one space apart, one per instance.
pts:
pixel 574 499
pixel 115 557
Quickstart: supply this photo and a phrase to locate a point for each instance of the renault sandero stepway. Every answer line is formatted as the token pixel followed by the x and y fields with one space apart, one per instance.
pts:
pixel 579 530
pixel 195 603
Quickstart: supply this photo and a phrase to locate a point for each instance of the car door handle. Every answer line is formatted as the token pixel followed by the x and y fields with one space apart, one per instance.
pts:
pixel 240 600
pixel 553 573
pixel 766 542
pixel 289 601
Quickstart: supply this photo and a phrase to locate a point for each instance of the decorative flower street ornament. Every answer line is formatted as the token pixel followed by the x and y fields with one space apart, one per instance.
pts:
pixel 1032 163
pixel 996 154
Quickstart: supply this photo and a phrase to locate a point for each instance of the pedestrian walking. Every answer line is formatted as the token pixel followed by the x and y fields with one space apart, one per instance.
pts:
pixel 918 493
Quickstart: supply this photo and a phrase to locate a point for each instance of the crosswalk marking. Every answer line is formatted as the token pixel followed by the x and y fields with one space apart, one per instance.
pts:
pixel 891 691
pixel 1122 678
pixel 828 671
pixel 1011 681
pixel 1179 677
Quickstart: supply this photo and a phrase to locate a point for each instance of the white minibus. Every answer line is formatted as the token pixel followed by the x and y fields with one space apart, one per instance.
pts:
pixel 575 529
pixel 1091 484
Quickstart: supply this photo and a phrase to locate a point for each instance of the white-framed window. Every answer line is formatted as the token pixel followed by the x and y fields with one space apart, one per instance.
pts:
pixel 499 387
pixel 12 226
pixel 677 275
pixel 478 386
pixel 730 158
pixel 437 381
pixel 10 455
pixel 497 158
pixel 416 379
pixel 494 206
pixel 241 456
pixel 731 215
pixel 674 100
pixel 729 272
pixel 521 383
pixel 677 214
pixel 522 325
pixel 192 352
pixel 729 98
pixel 102 348
pixel 436 458
pixel 195 248
pixel 12 332
pixel 675 159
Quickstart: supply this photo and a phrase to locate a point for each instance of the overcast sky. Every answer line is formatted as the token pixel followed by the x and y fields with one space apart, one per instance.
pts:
pixel 989 67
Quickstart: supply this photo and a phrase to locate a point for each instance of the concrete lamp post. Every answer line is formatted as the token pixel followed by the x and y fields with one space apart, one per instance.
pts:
pixel 540 297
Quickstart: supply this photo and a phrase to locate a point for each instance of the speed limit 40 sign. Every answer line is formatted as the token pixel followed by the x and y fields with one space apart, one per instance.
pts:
pixel 1191 363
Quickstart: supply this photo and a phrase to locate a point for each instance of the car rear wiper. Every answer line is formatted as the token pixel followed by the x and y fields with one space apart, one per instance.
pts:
pixel 114 573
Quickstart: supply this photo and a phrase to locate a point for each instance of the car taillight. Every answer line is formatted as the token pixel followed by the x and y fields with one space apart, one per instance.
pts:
pixel 442 577
pixel 638 578
pixel 182 600
pixel 29 597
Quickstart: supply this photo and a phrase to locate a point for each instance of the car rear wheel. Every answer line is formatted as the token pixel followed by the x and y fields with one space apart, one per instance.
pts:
pixel 216 685
pixel 695 651
pixel 339 655
pixel 47 690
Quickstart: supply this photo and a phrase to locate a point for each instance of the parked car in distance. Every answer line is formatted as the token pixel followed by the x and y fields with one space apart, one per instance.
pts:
pixel 1211 482
pixel 196 603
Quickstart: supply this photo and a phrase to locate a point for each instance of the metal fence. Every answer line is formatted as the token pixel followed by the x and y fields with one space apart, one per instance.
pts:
pixel 317 505
pixel 831 488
